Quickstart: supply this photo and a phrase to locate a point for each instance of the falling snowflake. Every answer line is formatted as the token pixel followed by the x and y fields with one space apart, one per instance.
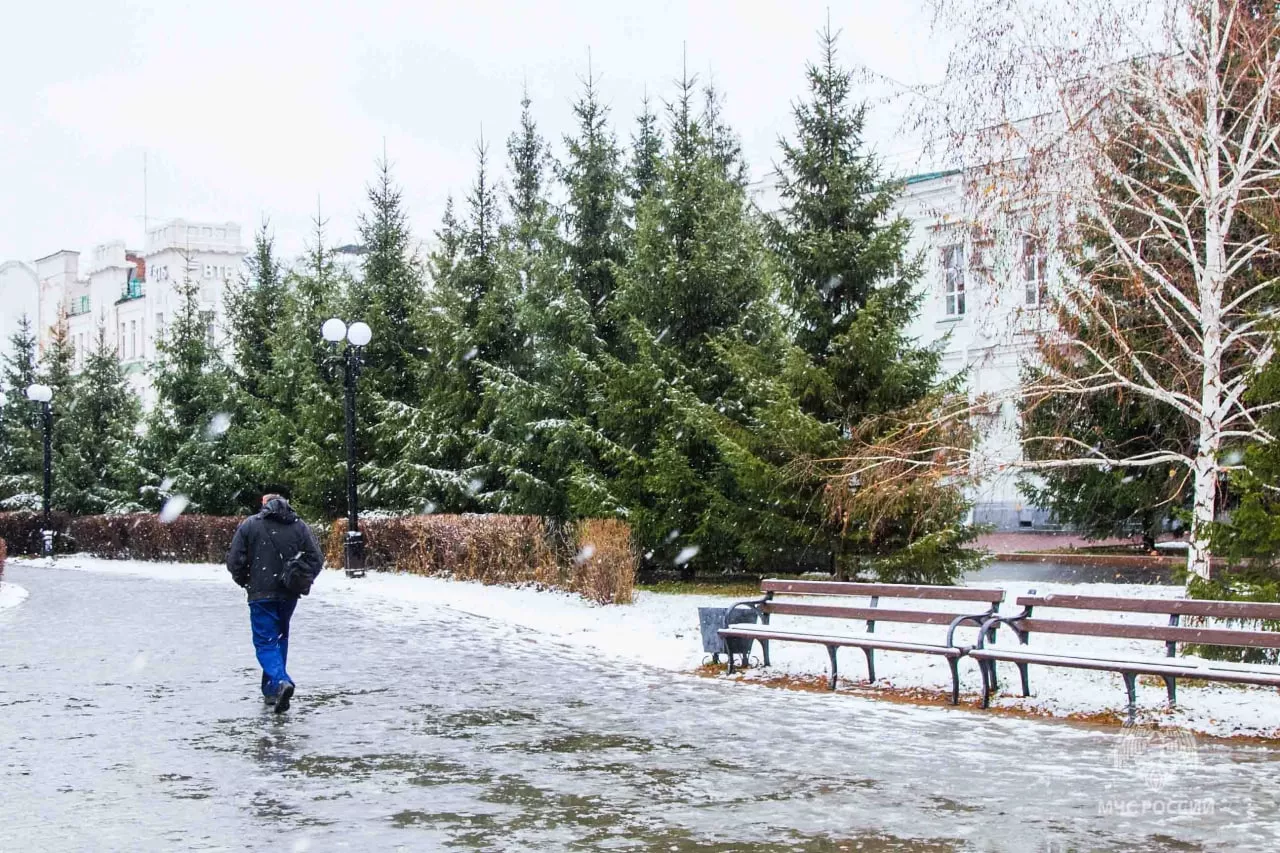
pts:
pixel 588 551
pixel 671 537
pixel 471 353
pixel 686 554
pixel 173 508
pixel 218 425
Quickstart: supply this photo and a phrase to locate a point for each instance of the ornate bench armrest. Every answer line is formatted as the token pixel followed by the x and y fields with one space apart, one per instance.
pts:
pixel 996 621
pixel 976 618
pixel 754 604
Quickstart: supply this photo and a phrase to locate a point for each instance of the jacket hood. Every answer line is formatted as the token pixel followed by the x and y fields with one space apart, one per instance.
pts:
pixel 279 509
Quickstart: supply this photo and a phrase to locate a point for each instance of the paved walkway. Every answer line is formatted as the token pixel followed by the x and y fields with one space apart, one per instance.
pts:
pixel 129 721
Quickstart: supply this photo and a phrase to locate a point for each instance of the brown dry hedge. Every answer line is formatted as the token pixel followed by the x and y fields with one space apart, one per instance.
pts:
pixel 595 558
pixel 142 536
pixel 21 531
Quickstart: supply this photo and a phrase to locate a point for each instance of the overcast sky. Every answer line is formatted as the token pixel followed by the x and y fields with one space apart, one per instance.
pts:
pixel 251 109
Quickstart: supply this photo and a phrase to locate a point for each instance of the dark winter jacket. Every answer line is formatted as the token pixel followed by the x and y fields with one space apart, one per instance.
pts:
pixel 255 559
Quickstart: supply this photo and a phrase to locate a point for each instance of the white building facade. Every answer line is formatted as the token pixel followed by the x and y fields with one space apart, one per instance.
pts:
pixel 130 295
pixel 985 287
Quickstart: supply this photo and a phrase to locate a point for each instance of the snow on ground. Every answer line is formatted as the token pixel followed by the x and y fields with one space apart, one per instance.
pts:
pixel 11 595
pixel 662 630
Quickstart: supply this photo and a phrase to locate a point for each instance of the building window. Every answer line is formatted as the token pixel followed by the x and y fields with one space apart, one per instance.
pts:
pixel 120 343
pixel 159 326
pixel 1034 280
pixel 953 280
pixel 209 271
pixel 133 338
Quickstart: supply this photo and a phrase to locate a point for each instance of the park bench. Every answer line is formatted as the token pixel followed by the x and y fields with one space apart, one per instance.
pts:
pixel 816 600
pixel 1024 624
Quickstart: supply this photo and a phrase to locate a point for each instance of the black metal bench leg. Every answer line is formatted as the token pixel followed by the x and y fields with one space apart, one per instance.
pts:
pixel 831 651
pixel 955 680
pixel 1171 685
pixel 995 682
pixel 730 657
pixel 871 664
pixel 764 650
pixel 1026 679
pixel 1131 686
pixel 986 683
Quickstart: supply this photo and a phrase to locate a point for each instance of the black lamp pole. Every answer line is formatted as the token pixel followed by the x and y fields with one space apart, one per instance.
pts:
pixel 47 413
pixel 43 394
pixel 357 336
pixel 353 550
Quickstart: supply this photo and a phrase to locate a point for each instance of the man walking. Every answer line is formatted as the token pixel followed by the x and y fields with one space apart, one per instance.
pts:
pixel 262 547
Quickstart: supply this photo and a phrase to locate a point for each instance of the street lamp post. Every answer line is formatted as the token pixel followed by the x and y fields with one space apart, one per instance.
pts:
pixel 357 336
pixel 43 395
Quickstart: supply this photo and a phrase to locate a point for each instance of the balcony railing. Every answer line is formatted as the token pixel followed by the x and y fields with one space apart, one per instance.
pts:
pixel 133 290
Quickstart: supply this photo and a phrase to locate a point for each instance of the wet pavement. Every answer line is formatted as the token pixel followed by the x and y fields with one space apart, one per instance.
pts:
pixel 1032 572
pixel 129 720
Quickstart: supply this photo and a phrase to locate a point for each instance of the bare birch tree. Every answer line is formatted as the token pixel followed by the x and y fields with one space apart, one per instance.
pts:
pixel 1146 134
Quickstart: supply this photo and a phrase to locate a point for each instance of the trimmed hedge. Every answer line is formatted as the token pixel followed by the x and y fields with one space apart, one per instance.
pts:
pixel 4 552
pixel 595 558
pixel 142 536
pixel 21 530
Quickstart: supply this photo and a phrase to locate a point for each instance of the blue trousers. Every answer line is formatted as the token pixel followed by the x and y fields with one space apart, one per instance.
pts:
pixel 270 623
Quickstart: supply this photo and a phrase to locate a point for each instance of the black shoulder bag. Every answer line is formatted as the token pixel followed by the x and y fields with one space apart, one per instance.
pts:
pixel 296 575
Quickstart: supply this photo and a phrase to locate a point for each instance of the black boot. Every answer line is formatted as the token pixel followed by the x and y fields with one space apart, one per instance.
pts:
pixel 283 697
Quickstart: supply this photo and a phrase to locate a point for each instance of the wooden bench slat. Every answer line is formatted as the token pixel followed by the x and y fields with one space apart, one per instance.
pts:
pixel 1165 633
pixel 1181 606
pixel 884 590
pixel 879 643
pixel 878 614
pixel 1204 672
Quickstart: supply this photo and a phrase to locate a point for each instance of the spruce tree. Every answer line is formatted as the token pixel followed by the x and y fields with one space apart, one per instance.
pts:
pixel 595 247
pixel 851 289
pixel 255 305
pixel 538 435
pixel 295 439
pixel 185 450
pixel 646 155
pixel 102 474
pixel 850 283
pixel 389 293
pixel 699 401
pixel 425 453
pixel 21 443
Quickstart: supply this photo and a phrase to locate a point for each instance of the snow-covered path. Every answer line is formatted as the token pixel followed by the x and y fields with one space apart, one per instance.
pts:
pixel 128 721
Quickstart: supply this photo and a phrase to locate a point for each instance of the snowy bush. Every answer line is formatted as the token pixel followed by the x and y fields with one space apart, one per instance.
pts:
pixel 4 552
pixel 594 558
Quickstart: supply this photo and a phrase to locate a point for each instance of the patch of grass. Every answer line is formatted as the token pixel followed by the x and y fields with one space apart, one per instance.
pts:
pixel 740 589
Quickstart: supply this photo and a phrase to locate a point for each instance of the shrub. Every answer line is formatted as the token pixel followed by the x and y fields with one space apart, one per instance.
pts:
pixel 21 530
pixel 593 558
pixel 4 552
pixel 604 567
pixel 142 536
